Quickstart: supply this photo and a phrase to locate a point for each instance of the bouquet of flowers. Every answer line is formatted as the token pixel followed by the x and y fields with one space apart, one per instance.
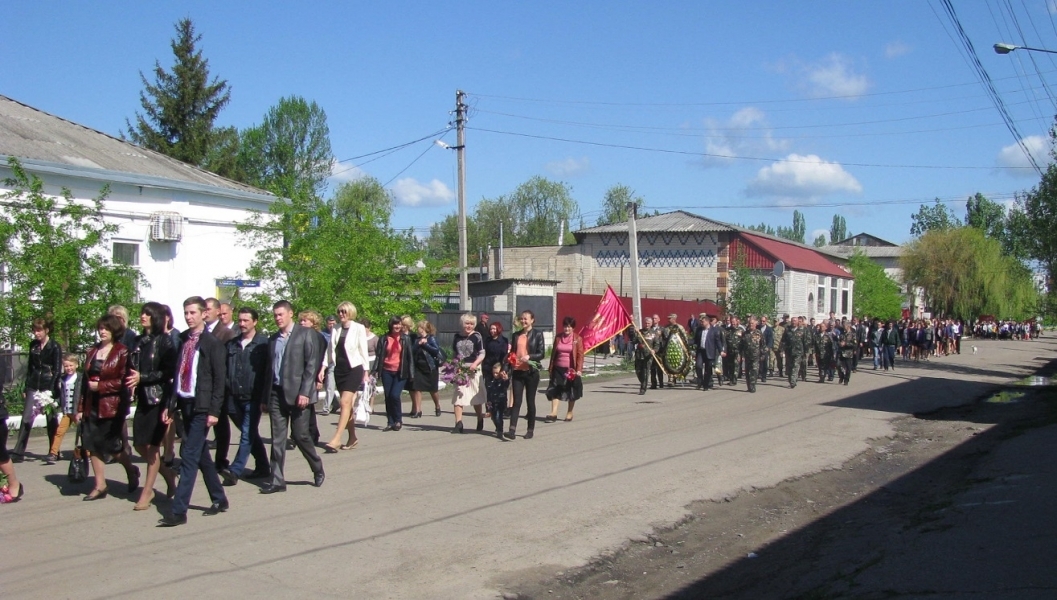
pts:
pixel 45 404
pixel 5 495
pixel 512 360
pixel 455 373
pixel 570 375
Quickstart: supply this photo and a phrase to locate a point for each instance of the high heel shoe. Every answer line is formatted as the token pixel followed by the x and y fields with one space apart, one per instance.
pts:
pixel 95 495
pixel 330 449
pixel 133 480
pixel 21 492
pixel 437 412
pixel 144 505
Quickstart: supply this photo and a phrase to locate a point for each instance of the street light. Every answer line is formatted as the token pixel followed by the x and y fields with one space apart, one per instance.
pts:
pixel 1001 48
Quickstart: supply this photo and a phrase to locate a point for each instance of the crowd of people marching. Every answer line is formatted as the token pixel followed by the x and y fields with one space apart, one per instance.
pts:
pixel 722 352
pixel 224 372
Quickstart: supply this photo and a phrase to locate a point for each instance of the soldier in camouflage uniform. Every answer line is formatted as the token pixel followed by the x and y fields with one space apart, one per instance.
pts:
pixel 811 352
pixel 849 345
pixel 795 348
pixel 778 348
pixel 652 335
pixel 731 361
pixel 827 352
pixel 752 348
pixel 643 357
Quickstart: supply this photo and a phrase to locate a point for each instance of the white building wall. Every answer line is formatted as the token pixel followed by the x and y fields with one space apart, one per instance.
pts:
pixel 209 248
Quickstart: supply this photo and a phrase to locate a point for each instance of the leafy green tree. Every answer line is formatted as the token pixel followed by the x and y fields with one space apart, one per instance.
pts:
pixel 615 204
pixel 797 231
pixel 749 291
pixel 935 217
pixel 820 241
pixel 838 231
pixel 875 293
pixel 966 274
pixel 541 208
pixel 986 215
pixel 56 252
pixel 317 254
pixel 179 108
pixel 289 153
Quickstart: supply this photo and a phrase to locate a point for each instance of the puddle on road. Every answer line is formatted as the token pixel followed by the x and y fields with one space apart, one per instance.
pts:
pixel 1036 381
pixel 1007 397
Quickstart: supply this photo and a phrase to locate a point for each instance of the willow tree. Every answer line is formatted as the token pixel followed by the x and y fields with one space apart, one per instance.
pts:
pixel 965 274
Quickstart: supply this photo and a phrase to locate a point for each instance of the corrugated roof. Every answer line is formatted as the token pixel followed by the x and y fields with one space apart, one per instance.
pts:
pixel 678 220
pixel 41 139
pixel 795 256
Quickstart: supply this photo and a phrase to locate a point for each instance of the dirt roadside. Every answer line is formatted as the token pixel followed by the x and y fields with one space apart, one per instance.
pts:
pixel 898 520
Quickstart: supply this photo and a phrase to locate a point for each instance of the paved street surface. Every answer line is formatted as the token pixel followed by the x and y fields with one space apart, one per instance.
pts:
pixel 422 513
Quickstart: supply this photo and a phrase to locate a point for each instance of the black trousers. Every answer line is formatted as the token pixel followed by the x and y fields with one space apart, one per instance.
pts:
pixel 656 376
pixel 286 418
pixel 222 436
pixel 844 368
pixel 642 368
pixel 524 385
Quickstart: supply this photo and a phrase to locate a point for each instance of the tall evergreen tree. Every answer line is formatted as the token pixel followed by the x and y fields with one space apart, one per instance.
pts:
pixel 838 231
pixel 179 108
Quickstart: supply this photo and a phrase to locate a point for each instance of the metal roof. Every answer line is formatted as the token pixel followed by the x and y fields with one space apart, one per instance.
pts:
pixel 795 256
pixel 678 220
pixel 44 142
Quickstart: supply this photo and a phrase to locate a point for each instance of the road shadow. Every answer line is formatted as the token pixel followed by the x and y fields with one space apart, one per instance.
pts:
pixel 862 549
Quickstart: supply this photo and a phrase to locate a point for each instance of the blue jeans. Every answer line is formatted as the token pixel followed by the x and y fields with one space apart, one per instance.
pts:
pixel 877 351
pixel 194 457
pixel 392 385
pixel 890 357
pixel 247 417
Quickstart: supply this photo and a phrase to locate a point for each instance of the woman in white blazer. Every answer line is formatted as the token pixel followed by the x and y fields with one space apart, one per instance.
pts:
pixel 348 346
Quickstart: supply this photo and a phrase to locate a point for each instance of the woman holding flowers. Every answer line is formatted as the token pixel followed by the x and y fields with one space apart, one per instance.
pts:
pixel 42 384
pixel 567 365
pixel 528 348
pixel 468 350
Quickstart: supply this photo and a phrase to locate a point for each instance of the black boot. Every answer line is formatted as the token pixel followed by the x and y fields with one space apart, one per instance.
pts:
pixel 23 440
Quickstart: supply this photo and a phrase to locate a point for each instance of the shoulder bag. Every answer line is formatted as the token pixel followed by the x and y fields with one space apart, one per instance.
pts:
pixel 78 470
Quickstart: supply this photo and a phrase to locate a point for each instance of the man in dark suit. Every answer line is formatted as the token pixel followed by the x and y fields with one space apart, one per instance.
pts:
pixel 293 364
pixel 712 344
pixel 222 432
pixel 198 393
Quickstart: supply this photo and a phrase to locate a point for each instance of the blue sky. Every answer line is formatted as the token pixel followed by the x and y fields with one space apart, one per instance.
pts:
pixel 735 111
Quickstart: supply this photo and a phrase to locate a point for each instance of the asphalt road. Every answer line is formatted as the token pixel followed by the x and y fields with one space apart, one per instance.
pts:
pixel 423 513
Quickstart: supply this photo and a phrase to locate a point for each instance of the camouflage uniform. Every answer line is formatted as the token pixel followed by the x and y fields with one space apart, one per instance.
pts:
pixel 779 353
pixel 752 349
pixel 730 361
pixel 643 358
pixel 849 345
pixel 827 355
pixel 653 338
pixel 795 348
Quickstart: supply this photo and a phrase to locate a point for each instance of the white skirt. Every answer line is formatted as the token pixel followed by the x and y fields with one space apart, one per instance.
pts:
pixel 471 394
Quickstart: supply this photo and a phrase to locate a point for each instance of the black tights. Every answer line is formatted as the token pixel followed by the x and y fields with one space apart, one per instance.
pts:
pixel 524 383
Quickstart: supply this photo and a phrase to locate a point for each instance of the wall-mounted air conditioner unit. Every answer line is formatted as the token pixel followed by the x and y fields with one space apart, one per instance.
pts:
pixel 166 227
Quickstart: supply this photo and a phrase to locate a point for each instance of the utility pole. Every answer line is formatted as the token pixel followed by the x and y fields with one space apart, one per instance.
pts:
pixel 633 247
pixel 460 122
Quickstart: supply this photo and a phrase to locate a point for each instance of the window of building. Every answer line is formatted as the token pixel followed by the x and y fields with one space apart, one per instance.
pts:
pixel 810 300
pixel 126 254
pixel 832 294
pixel 844 302
pixel 821 306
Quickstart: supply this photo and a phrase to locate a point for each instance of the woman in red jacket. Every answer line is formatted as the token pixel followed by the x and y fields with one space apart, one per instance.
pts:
pixel 105 401
pixel 567 365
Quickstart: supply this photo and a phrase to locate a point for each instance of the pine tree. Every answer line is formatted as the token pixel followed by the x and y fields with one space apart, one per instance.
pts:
pixel 179 108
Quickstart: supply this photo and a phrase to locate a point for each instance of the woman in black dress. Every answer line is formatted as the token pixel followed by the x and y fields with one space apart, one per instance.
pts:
pixel 152 364
pixel 105 401
pixel 426 374
pixel 496 350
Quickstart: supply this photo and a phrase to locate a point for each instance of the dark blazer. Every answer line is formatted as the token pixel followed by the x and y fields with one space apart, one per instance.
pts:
pixel 714 343
pixel 209 379
pixel 301 361
pixel 768 336
pixel 223 333
pixel 246 369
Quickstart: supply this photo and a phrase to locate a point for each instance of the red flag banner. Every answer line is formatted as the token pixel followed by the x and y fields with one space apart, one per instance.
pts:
pixel 610 319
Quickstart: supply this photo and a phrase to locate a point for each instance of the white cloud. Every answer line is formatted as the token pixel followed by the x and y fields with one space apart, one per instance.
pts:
pixel 1016 163
pixel 1051 5
pixel 745 133
pixel 803 177
pixel 896 49
pixel 342 173
pixel 410 192
pixel 834 76
pixel 568 167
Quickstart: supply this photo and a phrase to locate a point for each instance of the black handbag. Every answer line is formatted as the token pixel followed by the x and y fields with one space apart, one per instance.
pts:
pixel 78 470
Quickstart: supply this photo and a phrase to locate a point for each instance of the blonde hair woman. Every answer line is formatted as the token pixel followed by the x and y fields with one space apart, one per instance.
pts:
pixel 468 349
pixel 348 346
pixel 426 371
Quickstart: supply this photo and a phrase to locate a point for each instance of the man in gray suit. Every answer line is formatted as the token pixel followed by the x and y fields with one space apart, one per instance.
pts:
pixel 293 364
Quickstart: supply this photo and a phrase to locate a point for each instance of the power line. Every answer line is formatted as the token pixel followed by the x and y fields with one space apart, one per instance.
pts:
pixel 725 156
